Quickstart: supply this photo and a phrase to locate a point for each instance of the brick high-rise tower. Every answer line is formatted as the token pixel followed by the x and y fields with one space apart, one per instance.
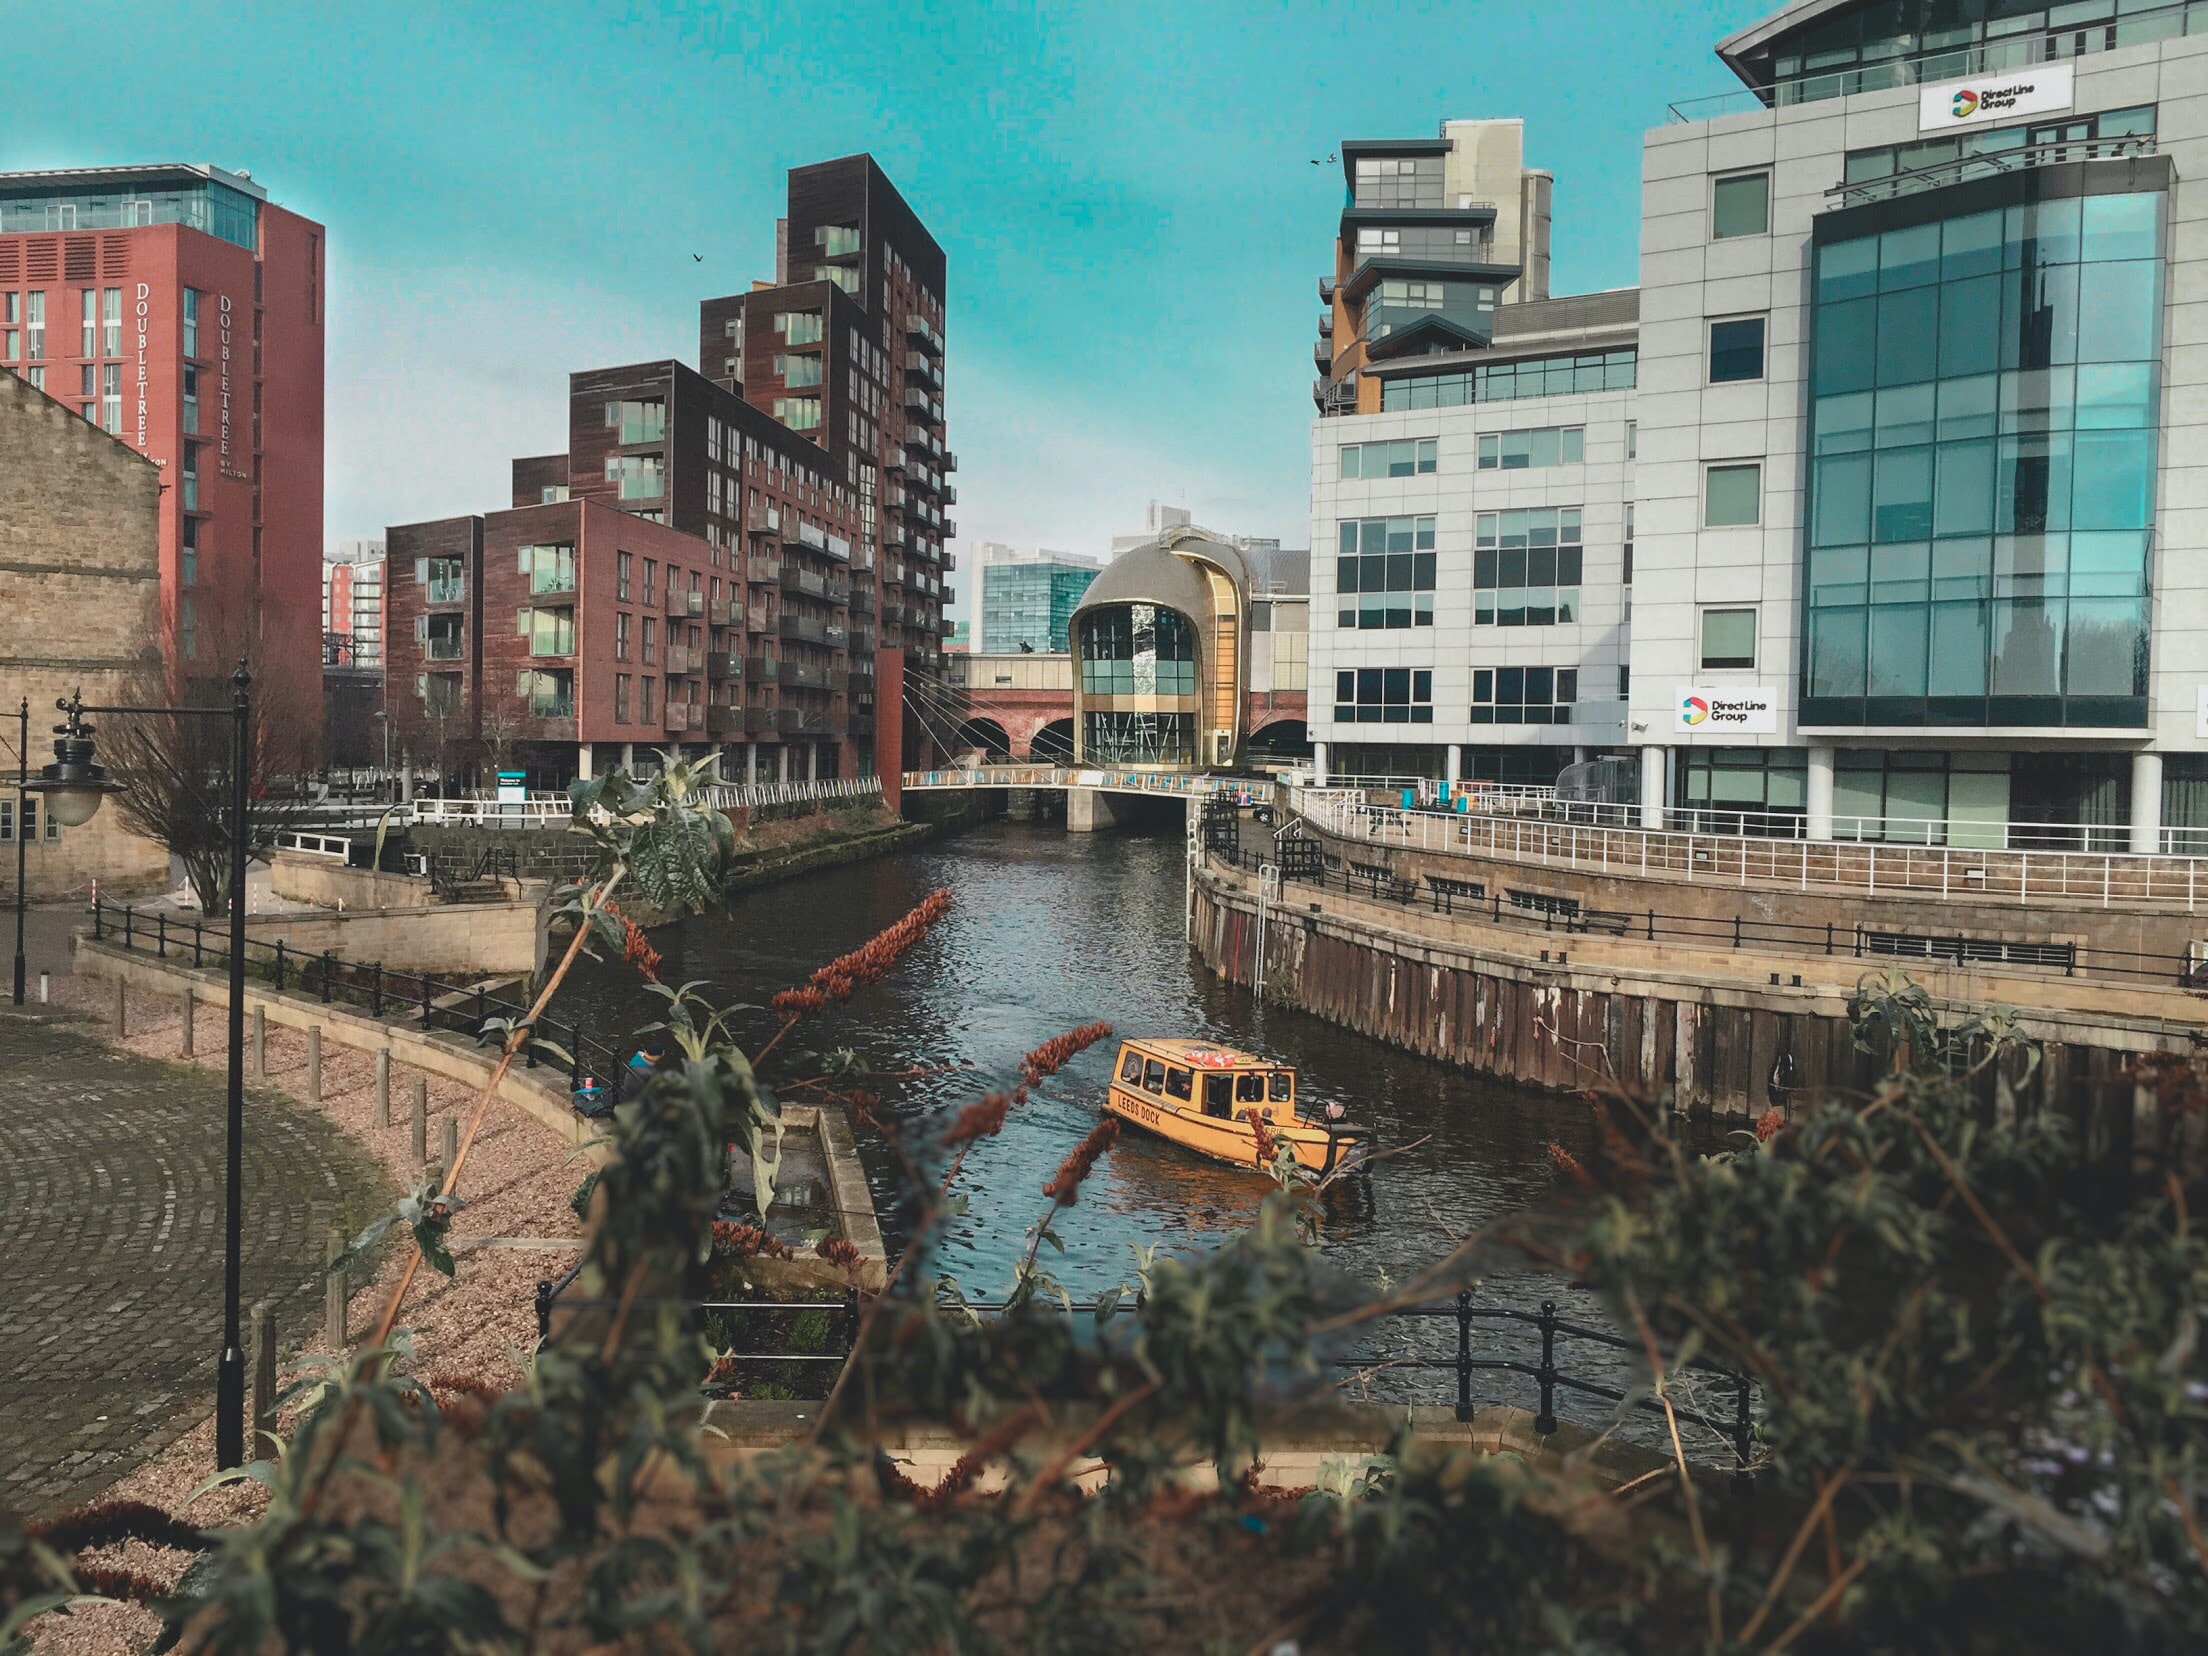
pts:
pixel 180 309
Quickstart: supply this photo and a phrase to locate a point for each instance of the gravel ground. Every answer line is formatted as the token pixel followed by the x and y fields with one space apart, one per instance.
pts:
pixel 476 1327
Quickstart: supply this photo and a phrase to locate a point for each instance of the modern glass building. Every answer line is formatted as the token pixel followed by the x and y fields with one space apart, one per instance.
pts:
pixel 1919 549
pixel 1160 645
pixel 1025 605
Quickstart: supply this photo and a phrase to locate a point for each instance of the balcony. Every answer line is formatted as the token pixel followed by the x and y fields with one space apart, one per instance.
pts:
pixel 950 595
pixel 721 664
pixel 771 721
pixel 682 716
pixel 552 707
pixel 862 599
pixel 723 720
pixel 922 333
pixel 794 579
pixel 950 530
pixel 759 669
pixel 837 637
pixel 1326 290
pixel 763 569
pixel 919 365
pixel 858 684
pixel 802 628
pixel 802 675
pixel 950 461
pixel 860 724
pixel 1986 164
pixel 763 520
pixel 682 661
pixel 1322 355
pixel 691 602
pixel 950 494
pixel 723 612
pixel 1326 324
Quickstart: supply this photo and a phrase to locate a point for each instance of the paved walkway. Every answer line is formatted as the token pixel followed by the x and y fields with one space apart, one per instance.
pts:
pixel 111 1215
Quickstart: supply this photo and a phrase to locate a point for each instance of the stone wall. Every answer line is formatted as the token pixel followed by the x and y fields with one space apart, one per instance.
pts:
pixel 489 940
pixel 327 883
pixel 80 582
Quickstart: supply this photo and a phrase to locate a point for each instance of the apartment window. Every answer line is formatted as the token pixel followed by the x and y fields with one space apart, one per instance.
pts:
pixel 551 569
pixel 651 579
pixel 651 639
pixel 620 698
pixel 111 323
pixel 638 476
pixel 30 821
pixel 551 632
pixel 1740 206
pixel 1728 638
pixel 552 494
pixel 1632 439
pixel 440 693
pixel 1384 573
pixel 35 378
pixel 799 327
pixel 1736 350
pixel 191 398
pixel 644 699
pixel 1528 450
pixel 34 326
pixel 88 383
pixel 1526 567
pixel 620 635
pixel 842 275
pixel 801 369
pixel 91 323
pixel 111 396
pixel 642 420
pixel 445 578
pixel 11 326
pixel 798 413
pixel 621 566
pixel 439 635
pixel 1732 495
pixel 1384 695
pixel 188 473
pixel 191 322
pixel 549 691
pixel 188 554
pixel 1410 457
pixel 1524 695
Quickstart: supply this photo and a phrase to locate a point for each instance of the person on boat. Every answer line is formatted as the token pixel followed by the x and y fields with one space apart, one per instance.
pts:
pixel 643 1061
pixel 1334 1110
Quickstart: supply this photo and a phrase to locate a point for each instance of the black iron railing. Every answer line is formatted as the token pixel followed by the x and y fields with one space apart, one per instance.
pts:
pixel 425 999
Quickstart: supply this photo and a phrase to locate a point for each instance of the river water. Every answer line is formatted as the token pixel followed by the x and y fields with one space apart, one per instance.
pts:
pixel 1049 930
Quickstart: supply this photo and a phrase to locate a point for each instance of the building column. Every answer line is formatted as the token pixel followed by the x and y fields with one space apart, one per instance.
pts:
pixel 782 761
pixel 1820 793
pixel 2146 803
pixel 751 761
pixel 812 761
pixel 1453 767
pixel 628 757
pixel 406 779
pixel 1655 777
pixel 1318 764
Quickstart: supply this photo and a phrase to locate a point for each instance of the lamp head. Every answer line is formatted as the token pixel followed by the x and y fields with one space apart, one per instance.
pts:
pixel 74 784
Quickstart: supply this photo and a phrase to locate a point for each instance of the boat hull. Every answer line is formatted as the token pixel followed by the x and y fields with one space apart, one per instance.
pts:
pixel 1234 1140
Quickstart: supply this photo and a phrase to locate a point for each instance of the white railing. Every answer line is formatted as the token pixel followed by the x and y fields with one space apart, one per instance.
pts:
pixel 537 811
pixel 333 846
pixel 1244 790
pixel 802 791
pixel 1957 873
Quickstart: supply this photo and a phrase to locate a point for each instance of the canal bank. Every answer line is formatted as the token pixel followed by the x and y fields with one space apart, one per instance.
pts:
pixel 1705 1030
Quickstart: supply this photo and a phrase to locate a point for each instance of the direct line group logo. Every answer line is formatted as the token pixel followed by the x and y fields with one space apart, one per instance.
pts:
pixel 1966 104
pixel 1694 710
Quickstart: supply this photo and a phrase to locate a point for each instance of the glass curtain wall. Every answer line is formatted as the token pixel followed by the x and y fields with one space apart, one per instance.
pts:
pixel 1138 686
pixel 1981 499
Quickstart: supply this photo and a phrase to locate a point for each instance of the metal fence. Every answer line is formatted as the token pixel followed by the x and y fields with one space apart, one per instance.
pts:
pixel 424 999
pixel 1544 836
pixel 1246 790
pixel 1557 1356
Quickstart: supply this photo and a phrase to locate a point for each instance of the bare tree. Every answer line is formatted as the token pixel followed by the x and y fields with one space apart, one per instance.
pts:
pixel 176 771
pixel 501 735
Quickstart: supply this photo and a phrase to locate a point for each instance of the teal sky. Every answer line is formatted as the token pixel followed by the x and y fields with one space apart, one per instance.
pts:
pixel 1124 193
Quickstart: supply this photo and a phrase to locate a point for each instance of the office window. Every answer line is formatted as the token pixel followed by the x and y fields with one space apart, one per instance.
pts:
pixel 1384 695
pixel 1732 495
pixel 1628 543
pixel 191 398
pixel 1384 572
pixel 1526 567
pixel 91 323
pixel 1740 206
pixel 1728 638
pixel 191 322
pixel 1409 457
pixel 1632 439
pixel 111 396
pixel 34 326
pixel 620 635
pixel 11 330
pixel 1539 446
pixel 620 698
pixel 111 323
pixel 88 380
pixel 1736 350
pixel 35 378
pixel 1524 695
pixel 1509 381
pixel 622 562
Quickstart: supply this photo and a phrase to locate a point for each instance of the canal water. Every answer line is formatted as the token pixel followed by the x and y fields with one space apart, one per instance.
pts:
pixel 1050 930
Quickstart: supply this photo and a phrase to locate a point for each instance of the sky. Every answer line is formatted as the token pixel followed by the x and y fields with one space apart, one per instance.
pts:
pixel 1125 195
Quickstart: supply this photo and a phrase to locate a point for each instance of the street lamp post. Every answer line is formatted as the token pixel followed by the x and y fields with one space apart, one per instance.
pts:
pixel 22 799
pixel 73 787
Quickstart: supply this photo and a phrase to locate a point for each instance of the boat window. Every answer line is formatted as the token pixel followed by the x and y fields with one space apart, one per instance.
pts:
pixel 1153 1076
pixel 1180 1083
pixel 1249 1087
pixel 1219 1096
pixel 1130 1068
pixel 1284 1086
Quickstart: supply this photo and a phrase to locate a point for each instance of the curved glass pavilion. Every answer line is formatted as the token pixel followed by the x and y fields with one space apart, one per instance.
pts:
pixel 1159 650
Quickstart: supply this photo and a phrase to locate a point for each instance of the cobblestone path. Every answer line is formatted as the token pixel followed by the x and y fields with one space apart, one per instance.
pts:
pixel 111 1215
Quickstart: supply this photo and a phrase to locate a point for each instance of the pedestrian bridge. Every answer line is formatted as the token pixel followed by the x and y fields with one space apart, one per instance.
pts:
pixel 1091 787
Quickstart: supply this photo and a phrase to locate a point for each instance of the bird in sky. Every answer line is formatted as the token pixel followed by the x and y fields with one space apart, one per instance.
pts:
pixel 698 258
pixel 1329 161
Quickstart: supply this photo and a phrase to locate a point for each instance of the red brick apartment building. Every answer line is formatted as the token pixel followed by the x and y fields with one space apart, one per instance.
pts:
pixel 179 309
pixel 792 490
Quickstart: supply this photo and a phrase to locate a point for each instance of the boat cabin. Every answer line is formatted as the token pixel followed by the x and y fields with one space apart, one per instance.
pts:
pixel 1218 1081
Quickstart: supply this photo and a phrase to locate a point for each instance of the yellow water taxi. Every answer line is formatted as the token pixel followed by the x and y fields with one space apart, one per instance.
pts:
pixel 1214 1099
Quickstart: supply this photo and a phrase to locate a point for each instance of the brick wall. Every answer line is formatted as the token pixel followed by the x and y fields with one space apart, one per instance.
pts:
pixel 79 607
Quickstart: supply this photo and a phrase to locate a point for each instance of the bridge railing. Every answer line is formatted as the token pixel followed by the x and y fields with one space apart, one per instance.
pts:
pixel 1246 790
